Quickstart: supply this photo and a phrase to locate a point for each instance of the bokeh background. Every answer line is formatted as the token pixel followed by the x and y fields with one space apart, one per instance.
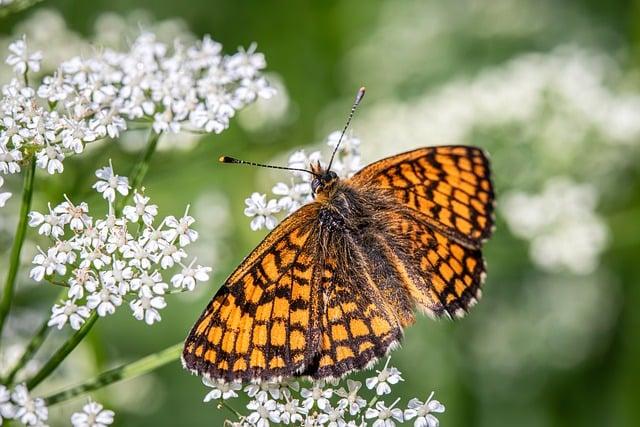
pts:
pixel 550 88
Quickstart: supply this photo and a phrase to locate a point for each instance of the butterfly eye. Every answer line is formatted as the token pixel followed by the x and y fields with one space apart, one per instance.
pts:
pixel 315 184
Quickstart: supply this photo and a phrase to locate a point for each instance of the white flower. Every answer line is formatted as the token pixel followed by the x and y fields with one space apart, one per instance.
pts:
pixel 246 63
pixel 294 196
pixel 47 264
pixel 20 58
pixel 82 278
pixel 180 229
pixel 334 417
pixel 75 134
pixel 49 224
pixel 76 216
pixel 384 416
pixel 7 409
pixel 68 312
pixel 93 415
pixel 317 395
pixel 107 122
pixel 350 398
pixel 190 275
pixel 261 211
pixel 94 254
pixel 29 411
pixel 221 389
pixel 105 300
pixel 50 158
pixel 119 275
pixel 140 210
pixel 291 412
pixel 263 413
pixel 109 183
pixel 170 254
pixel 262 390
pixel 422 412
pixel 137 254
pixel 9 158
pixel 252 89
pixel 382 381
pixel 4 196
pixel 152 281
pixel 146 306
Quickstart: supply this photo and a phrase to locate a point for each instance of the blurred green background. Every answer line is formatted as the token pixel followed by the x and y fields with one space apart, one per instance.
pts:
pixel 551 88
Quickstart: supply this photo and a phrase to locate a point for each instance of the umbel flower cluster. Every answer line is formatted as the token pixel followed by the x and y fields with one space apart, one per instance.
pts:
pixel 193 88
pixel 105 261
pixel 290 196
pixel 322 403
pixel 19 405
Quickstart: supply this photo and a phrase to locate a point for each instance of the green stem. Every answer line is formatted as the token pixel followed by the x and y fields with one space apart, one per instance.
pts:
pixel 130 370
pixel 62 352
pixel 140 169
pixel 33 346
pixel 21 230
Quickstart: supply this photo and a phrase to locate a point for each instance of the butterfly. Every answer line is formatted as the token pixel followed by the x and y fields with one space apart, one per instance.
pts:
pixel 331 289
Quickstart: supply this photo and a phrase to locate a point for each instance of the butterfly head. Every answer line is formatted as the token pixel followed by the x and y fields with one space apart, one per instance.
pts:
pixel 324 179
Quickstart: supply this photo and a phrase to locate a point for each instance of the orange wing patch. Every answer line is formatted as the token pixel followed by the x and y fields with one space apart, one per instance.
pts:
pixel 263 322
pixel 449 186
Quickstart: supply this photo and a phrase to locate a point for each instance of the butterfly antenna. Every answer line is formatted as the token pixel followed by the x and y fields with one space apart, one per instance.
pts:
pixel 359 97
pixel 227 159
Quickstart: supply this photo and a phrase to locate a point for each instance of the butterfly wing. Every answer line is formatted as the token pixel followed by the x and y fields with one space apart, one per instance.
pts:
pixel 358 320
pixel 263 322
pixel 448 187
pixel 441 275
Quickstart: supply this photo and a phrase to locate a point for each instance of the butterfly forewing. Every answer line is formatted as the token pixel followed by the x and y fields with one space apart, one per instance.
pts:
pixel 449 186
pixel 262 323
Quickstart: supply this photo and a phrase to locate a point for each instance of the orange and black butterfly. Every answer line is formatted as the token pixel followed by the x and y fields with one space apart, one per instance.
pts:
pixel 332 287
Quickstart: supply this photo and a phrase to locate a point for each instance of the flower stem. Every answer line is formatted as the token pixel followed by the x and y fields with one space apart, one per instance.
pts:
pixel 21 230
pixel 31 348
pixel 130 370
pixel 62 352
pixel 140 169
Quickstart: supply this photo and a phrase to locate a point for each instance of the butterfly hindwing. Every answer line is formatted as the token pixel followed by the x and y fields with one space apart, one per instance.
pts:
pixel 262 323
pixel 449 185
pixel 441 275
pixel 359 325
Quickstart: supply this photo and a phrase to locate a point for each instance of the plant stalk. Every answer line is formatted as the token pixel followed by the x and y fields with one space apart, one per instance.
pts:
pixel 127 371
pixel 140 169
pixel 59 356
pixel 31 348
pixel 16 249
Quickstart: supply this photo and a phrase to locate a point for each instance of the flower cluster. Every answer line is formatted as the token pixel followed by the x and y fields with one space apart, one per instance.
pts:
pixel 194 88
pixel 17 404
pixel 564 230
pixel 321 403
pixel 116 258
pixel 289 197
